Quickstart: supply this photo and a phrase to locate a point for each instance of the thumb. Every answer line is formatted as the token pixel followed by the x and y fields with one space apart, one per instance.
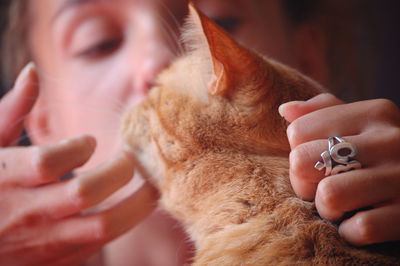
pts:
pixel 293 110
pixel 16 104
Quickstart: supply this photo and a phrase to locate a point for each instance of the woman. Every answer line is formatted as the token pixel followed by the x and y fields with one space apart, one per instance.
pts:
pixel 87 82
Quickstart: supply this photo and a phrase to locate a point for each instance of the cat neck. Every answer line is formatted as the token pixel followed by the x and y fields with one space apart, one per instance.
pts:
pixel 221 191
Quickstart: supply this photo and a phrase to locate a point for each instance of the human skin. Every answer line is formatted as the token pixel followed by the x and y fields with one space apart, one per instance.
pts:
pixel 73 70
pixel 41 221
pixel 63 234
pixel 374 128
pixel 87 83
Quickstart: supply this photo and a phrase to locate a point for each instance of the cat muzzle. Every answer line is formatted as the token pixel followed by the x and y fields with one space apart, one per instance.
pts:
pixel 339 157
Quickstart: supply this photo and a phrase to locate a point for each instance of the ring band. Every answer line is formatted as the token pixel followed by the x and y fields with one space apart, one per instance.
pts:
pixel 339 158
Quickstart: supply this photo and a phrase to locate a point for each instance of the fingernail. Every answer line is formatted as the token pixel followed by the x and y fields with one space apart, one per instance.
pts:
pixel 282 107
pixel 23 75
pixel 92 142
pixel 129 154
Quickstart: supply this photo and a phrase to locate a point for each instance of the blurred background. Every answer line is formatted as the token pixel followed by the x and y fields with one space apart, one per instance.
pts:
pixel 387 14
pixel 383 15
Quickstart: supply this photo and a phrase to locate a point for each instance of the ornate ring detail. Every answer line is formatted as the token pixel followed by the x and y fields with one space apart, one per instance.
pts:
pixel 338 158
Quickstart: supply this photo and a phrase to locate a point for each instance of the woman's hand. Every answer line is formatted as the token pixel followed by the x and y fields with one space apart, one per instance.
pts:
pixel 40 217
pixel 374 128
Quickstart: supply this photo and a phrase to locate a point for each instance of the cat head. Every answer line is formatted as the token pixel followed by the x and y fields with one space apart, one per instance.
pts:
pixel 218 97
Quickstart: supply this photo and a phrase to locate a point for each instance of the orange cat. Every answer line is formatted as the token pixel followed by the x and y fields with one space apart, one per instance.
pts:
pixel 210 138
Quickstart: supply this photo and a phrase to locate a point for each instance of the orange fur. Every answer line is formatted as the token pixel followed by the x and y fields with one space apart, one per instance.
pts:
pixel 210 138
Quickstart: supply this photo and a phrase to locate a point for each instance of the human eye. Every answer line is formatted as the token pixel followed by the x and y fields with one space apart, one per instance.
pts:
pixel 230 24
pixel 96 38
pixel 101 49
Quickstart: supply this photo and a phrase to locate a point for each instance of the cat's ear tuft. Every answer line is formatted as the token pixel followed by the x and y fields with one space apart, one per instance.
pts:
pixel 223 57
pixel 218 84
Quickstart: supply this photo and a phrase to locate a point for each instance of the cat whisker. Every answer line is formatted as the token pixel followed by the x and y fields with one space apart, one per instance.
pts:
pixel 171 33
pixel 172 37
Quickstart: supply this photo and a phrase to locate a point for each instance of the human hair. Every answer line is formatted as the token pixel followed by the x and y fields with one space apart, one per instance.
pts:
pixel 350 53
pixel 15 51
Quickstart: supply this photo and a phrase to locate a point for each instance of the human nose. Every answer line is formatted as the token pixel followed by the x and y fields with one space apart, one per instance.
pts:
pixel 155 60
pixel 155 51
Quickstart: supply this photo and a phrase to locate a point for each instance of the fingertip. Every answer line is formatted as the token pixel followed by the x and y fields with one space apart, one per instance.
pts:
pixel 303 190
pixel 91 141
pixel 323 100
pixel 288 110
pixel 27 80
pixel 17 103
pixel 345 229
pixel 353 231
pixel 295 109
pixel 327 200
pixel 122 166
pixel 87 142
pixel 25 91
pixel 151 191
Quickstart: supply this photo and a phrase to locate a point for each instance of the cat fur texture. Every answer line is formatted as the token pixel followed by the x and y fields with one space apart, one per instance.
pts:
pixel 210 138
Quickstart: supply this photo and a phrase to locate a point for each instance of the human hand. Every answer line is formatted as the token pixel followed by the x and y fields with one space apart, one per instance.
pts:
pixel 374 128
pixel 41 219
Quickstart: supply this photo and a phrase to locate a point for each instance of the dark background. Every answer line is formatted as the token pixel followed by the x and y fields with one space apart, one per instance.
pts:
pixel 387 84
pixel 386 14
pixel 3 19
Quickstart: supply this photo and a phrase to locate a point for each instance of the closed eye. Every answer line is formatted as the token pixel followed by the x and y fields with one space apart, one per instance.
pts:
pixel 101 49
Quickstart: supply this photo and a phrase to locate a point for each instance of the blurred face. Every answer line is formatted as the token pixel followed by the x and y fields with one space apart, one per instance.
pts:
pixel 96 58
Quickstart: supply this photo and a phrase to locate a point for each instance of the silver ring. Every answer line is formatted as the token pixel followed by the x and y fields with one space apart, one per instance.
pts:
pixel 339 158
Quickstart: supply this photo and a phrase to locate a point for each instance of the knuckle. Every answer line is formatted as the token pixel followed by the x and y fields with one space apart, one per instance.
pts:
pixel 298 161
pixel 385 109
pixel 329 97
pixel 389 141
pixel 294 133
pixel 393 141
pixel 395 136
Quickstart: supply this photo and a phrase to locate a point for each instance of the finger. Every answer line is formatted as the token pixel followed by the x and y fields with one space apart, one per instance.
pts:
pixel 72 255
pixel 293 110
pixel 357 189
pixel 36 165
pixel 106 226
pixel 342 120
pixel 303 176
pixel 372 226
pixel 17 104
pixel 82 256
pixel 373 148
pixel 85 190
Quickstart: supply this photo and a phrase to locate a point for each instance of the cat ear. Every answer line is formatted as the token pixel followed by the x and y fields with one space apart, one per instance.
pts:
pixel 228 59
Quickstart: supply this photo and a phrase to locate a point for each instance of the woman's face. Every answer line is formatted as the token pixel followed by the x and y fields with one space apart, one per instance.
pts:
pixel 96 58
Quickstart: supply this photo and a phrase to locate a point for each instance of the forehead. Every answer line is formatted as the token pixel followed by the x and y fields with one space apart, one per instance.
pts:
pixel 54 7
pixel 263 6
pixel 57 7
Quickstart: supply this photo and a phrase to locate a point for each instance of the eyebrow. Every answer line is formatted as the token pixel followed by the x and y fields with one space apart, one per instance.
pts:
pixel 69 4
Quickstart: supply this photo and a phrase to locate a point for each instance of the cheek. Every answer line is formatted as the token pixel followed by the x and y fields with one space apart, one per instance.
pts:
pixel 85 100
